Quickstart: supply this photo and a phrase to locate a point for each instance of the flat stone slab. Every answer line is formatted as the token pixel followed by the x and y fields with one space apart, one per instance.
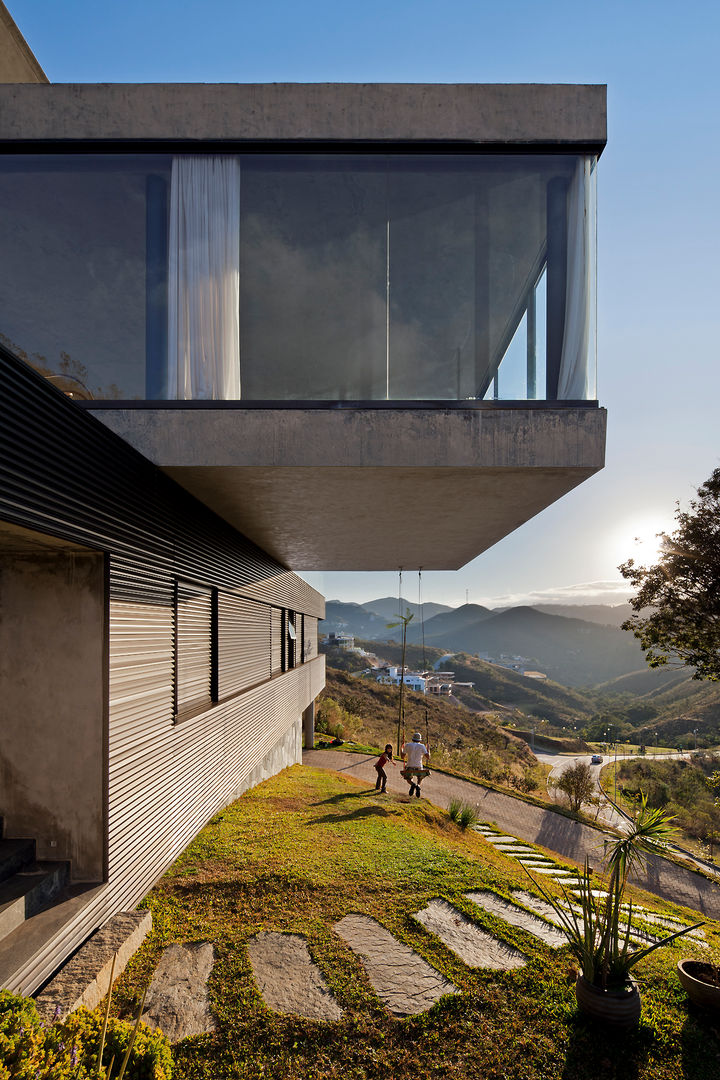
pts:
pixel 474 946
pixel 85 978
pixel 496 839
pixel 288 978
pixel 515 915
pixel 177 998
pixel 403 981
pixel 535 904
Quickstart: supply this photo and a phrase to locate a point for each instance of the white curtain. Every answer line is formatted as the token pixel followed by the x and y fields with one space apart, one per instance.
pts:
pixel 204 278
pixel 577 365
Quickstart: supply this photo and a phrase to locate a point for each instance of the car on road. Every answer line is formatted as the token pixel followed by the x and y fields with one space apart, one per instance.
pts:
pixel 596 759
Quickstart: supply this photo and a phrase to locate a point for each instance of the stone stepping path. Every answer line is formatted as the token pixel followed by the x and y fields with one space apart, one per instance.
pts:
pixel 177 998
pixel 403 981
pixel 288 979
pixel 474 946
pixel 511 913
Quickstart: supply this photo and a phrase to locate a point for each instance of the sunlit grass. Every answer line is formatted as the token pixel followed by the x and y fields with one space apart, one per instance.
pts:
pixel 308 847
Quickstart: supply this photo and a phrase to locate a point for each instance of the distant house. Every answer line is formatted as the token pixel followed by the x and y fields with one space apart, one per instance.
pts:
pixel 339 641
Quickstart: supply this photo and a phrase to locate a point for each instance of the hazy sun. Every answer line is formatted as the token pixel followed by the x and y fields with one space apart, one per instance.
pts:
pixel 639 540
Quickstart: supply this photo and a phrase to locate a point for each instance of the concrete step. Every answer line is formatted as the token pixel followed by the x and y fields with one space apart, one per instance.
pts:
pixel 14 856
pixel 23 953
pixel 29 891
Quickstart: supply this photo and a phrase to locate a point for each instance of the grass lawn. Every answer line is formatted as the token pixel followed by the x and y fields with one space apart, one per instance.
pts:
pixel 302 850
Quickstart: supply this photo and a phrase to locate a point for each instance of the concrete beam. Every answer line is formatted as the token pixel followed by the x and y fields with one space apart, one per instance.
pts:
pixel 371 489
pixel 495 114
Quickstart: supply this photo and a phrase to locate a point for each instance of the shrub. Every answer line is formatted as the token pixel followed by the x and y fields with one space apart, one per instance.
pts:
pixel 150 1057
pixel 67 1050
pixel 462 813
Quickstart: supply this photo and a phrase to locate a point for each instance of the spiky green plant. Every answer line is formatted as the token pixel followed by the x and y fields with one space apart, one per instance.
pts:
pixel 599 939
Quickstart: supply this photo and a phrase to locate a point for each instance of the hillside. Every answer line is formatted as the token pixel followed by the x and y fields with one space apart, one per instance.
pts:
pixel 496 686
pixel 367 712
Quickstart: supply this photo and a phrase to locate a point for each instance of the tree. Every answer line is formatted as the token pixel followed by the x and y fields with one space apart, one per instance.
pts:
pixel 578 784
pixel 677 605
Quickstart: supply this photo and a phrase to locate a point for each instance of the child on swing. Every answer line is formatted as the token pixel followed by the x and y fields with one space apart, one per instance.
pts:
pixel 415 753
pixel 380 764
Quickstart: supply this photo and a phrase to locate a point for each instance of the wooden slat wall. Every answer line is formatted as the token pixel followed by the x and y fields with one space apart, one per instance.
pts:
pixel 148 830
pixel 192 648
pixel 276 632
pixel 62 473
pixel 310 637
pixel 244 645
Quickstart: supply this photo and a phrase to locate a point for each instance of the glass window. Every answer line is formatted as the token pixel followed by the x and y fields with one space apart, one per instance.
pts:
pixel 312 276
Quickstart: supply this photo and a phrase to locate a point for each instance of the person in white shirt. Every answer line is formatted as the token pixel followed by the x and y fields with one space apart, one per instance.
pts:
pixel 415 754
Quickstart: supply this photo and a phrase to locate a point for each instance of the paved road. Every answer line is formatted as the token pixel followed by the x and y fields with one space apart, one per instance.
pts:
pixel 609 814
pixel 558 834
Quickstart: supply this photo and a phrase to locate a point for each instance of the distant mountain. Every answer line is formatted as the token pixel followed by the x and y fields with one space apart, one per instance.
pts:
pixel 605 614
pixel 455 621
pixel 389 607
pixel 352 619
pixel 574 652
pixel 570 651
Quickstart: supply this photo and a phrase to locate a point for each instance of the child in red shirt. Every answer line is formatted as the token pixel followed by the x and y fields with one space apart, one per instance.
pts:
pixel 380 767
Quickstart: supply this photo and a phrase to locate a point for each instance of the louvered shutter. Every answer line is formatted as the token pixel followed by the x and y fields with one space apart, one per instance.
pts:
pixel 193 647
pixel 243 644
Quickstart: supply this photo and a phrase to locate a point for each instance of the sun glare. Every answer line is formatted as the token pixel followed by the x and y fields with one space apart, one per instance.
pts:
pixel 639 540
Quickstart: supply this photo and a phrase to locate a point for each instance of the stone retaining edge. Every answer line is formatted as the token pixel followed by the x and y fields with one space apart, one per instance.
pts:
pixel 85 979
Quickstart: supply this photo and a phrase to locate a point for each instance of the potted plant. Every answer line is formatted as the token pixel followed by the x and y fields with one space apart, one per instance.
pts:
pixel 600 934
pixel 701 980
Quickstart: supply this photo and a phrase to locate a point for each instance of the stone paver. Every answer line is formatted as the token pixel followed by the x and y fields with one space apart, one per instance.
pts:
pixel 515 915
pixel 288 979
pixel 177 998
pixel 405 982
pixel 474 946
pixel 570 839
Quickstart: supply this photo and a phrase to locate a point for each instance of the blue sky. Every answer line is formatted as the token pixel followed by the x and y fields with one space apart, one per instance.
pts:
pixel 659 215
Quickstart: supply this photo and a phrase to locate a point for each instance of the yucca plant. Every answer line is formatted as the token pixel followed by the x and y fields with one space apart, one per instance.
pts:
pixel 600 935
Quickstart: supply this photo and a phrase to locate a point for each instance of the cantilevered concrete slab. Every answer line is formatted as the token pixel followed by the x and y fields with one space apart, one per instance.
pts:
pixel 570 116
pixel 363 488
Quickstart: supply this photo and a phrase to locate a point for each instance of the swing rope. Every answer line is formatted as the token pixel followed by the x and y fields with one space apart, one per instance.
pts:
pixel 422 625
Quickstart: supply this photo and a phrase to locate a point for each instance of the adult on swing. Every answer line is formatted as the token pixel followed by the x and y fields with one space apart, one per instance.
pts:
pixel 416 755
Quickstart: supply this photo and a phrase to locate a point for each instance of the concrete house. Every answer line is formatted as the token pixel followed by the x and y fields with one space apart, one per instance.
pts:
pixel 241 327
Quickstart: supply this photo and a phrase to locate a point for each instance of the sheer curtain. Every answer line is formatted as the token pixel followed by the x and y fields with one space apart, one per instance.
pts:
pixel 204 278
pixel 577 365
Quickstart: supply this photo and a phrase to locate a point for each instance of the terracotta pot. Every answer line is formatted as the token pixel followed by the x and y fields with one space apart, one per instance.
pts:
pixel 700 992
pixel 621 1008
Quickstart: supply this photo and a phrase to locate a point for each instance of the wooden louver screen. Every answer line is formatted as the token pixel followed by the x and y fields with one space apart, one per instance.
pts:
pixel 276 633
pixel 310 634
pixel 243 644
pixel 193 647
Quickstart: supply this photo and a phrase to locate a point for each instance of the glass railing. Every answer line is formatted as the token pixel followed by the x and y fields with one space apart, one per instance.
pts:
pixel 302 276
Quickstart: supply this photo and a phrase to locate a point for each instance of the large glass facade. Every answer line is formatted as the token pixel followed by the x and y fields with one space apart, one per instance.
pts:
pixel 302 276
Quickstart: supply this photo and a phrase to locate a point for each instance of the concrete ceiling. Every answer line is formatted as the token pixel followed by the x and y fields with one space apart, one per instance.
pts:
pixel 371 489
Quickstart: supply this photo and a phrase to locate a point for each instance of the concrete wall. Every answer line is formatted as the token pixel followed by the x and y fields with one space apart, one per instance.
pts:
pixel 515 114
pixel 17 63
pixel 53 658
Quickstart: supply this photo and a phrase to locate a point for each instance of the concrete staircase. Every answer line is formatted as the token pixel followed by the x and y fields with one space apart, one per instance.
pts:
pixel 27 887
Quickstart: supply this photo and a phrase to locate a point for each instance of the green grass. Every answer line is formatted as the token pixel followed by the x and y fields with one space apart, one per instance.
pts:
pixel 308 847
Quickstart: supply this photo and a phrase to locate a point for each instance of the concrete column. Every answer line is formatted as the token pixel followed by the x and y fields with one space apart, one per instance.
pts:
pixel 308 726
